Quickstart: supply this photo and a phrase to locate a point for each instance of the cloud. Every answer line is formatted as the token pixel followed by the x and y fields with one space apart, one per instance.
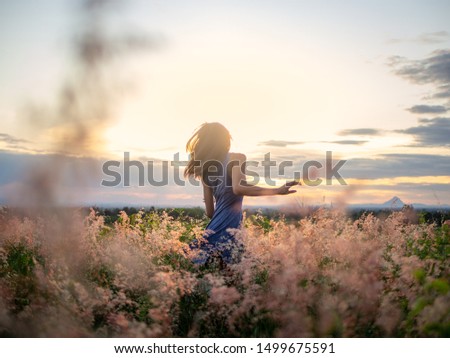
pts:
pixel 442 92
pixel 9 139
pixel 393 165
pixel 423 108
pixel 349 142
pixel 433 37
pixel 279 143
pixel 361 131
pixel 431 132
pixel 80 178
pixel 388 165
pixel 425 38
pixel 16 144
pixel 434 69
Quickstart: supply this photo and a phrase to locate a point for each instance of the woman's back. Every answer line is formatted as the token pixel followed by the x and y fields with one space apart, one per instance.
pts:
pixel 227 211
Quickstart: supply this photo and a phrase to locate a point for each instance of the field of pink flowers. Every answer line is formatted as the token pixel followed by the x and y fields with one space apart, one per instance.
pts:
pixel 68 274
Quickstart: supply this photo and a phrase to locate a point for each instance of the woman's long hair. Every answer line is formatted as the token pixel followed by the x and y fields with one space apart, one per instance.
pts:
pixel 209 144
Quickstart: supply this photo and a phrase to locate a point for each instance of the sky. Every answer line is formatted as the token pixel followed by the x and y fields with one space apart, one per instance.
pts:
pixel 368 81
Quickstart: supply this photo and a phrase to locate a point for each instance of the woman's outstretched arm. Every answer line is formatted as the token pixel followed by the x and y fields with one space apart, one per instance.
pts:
pixel 241 187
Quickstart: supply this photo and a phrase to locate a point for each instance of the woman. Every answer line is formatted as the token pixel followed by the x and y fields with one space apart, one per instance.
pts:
pixel 223 179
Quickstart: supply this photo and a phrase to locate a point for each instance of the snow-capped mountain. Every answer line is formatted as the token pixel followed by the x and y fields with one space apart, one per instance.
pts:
pixel 394 203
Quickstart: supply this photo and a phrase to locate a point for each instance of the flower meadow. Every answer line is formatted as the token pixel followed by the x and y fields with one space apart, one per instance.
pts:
pixel 72 273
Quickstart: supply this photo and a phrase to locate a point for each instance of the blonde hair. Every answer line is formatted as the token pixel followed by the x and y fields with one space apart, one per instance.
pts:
pixel 209 143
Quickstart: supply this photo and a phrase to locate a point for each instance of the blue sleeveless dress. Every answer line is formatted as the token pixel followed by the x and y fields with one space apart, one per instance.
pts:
pixel 227 215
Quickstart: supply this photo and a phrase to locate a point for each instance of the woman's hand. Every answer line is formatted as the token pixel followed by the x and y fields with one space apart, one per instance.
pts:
pixel 286 188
